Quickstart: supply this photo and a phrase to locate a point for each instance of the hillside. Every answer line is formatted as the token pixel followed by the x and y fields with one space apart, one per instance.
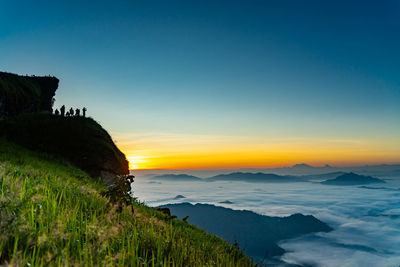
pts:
pixel 52 213
pixel 26 119
pixel 21 94
pixel 256 234
pixel 81 141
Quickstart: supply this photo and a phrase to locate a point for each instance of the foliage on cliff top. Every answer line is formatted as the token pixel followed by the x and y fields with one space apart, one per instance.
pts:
pixel 20 94
pixel 53 214
pixel 82 141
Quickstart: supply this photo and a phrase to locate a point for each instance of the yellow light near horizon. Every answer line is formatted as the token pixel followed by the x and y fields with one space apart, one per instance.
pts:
pixel 176 151
pixel 250 161
pixel 257 159
pixel 137 162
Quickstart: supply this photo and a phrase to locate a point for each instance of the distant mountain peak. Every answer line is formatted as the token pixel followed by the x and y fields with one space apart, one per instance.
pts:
pixel 302 166
pixel 352 178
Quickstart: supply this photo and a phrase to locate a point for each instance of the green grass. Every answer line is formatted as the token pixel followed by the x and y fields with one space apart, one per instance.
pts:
pixel 81 141
pixel 52 213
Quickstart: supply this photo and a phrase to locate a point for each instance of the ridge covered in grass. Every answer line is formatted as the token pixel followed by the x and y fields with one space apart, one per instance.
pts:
pixel 81 141
pixel 52 213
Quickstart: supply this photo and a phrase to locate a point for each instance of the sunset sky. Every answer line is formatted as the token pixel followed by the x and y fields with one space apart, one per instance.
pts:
pixel 221 84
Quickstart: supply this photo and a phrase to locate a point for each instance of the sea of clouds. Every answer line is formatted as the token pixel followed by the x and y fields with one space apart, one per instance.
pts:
pixel 366 220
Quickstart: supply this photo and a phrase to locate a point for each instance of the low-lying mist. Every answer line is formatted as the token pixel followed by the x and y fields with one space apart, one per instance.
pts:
pixel 365 219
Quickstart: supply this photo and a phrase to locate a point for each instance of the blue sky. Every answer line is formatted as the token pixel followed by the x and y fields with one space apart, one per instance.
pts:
pixel 272 69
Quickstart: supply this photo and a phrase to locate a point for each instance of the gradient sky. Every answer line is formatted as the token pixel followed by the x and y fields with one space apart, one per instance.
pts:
pixel 221 84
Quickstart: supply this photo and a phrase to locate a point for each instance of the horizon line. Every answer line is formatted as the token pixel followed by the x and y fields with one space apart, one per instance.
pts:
pixel 263 168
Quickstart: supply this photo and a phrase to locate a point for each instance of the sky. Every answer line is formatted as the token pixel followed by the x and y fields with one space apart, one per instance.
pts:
pixel 221 84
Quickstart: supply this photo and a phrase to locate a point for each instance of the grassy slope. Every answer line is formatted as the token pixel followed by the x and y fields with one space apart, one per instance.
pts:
pixel 53 214
pixel 80 140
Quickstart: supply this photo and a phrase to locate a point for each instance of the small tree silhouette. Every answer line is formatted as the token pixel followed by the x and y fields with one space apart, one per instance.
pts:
pixel 120 191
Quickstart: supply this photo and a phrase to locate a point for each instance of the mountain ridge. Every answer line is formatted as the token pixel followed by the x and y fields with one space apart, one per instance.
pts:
pixel 352 179
pixel 256 234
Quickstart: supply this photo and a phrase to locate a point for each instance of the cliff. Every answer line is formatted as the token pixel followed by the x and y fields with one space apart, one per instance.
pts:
pixel 24 94
pixel 26 119
pixel 81 141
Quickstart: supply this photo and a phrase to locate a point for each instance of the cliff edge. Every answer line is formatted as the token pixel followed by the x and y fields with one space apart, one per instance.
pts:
pixel 25 94
pixel 26 119
pixel 81 141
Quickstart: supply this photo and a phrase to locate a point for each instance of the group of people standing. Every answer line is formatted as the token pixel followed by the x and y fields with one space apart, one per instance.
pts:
pixel 71 112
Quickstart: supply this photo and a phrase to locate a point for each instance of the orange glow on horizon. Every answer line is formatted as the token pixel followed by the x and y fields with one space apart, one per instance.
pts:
pixel 150 151
pixel 136 162
pixel 209 162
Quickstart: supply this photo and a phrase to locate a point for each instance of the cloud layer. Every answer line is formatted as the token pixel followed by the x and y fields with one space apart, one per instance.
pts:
pixel 366 220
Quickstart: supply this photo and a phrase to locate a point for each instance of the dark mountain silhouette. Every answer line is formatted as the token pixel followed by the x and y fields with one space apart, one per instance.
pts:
pixel 378 170
pixel 352 179
pixel 21 94
pixel 82 141
pixel 236 176
pixel 176 177
pixel 256 177
pixel 25 109
pixel 257 235
pixel 226 202
pixel 302 166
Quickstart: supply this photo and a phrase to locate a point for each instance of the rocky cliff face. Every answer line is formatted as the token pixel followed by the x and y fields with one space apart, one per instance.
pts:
pixel 24 101
pixel 25 94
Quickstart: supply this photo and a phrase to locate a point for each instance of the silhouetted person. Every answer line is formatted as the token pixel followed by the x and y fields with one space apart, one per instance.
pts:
pixel 67 114
pixel 71 112
pixel 77 112
pixel 57 112
pixel 84 112
pixel 62 110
